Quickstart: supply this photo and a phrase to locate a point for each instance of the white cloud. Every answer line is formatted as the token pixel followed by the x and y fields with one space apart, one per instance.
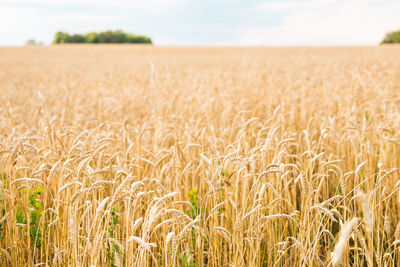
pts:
pixel 293 4
pixel 129 3
pixel 8 11
pixel 327 22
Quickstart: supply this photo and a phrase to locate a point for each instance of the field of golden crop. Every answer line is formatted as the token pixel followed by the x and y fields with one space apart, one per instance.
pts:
pixel 146 156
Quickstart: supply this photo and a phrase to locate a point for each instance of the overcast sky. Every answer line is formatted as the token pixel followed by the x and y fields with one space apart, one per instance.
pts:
pixel 206 22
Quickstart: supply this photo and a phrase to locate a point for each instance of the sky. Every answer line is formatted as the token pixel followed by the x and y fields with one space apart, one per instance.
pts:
pixel 206 22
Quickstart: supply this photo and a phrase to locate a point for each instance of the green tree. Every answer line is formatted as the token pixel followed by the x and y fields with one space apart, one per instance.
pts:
pixel 117 36
pixel 92 38
pixel 76 38
pixel 30 42
pixel 60 37
pixel 392 38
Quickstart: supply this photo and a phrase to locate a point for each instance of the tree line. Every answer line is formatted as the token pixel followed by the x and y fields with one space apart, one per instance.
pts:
pixel 392 38
pixel 101 38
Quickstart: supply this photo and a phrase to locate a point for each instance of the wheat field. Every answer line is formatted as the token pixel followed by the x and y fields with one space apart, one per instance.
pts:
pixel 155 156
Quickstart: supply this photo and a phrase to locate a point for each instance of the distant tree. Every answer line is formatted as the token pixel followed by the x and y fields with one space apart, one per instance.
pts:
pixel 33 42
pixel 392 38
pixel 76 38
pixel 60 37
pixel 92 38
pixel 30 42
pixel 101 37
